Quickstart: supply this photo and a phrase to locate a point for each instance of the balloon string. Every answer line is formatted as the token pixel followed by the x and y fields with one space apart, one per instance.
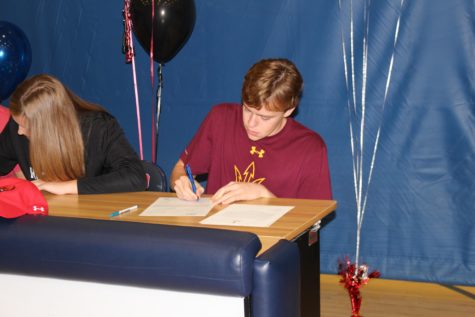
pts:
pixel 137 107
pixel 130 57
pixel 357 145
pixel 345 67
pixel 388 83
pixel 152 75
pixel 362 129
pixel 159 100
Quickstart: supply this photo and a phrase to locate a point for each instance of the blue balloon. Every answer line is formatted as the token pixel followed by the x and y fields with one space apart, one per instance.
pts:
pixel 15 58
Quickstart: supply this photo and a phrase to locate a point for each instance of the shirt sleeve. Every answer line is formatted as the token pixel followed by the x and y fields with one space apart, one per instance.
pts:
pixel 7 152
pixel 316 182
pixel 111 163
pixel 198 152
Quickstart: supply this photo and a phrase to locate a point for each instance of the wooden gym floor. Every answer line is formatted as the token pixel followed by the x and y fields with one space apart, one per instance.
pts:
pixel 391 298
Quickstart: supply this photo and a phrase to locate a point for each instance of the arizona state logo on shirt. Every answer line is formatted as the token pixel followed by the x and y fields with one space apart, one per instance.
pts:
pixel 248 175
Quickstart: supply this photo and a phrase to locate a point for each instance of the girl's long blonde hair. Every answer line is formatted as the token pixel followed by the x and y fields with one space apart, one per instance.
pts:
pixel 50 112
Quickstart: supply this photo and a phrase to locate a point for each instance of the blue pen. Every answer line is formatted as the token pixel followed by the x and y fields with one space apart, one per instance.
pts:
pixel 190 177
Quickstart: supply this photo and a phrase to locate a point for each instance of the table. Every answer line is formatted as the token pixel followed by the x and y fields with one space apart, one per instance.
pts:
pixel 296 225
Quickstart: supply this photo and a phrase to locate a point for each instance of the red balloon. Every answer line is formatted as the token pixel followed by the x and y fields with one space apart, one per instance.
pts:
pixel 172 25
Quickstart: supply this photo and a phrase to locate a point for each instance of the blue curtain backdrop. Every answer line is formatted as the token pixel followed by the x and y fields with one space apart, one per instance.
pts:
pixel 419 219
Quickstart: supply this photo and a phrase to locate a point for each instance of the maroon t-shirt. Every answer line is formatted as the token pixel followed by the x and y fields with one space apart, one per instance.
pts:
pixel 292 163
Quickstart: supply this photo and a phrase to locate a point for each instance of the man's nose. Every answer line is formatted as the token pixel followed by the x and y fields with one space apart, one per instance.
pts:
pixel 252 122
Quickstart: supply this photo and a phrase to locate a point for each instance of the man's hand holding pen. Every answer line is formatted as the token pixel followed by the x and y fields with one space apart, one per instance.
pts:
pixel 187 188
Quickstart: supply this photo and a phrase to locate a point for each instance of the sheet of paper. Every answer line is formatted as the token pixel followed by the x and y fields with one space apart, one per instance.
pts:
pixel 247 215
pixel 174 207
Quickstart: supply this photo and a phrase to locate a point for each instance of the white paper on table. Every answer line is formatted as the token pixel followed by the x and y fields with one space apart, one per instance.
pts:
pixel 174 207
pixel 247 215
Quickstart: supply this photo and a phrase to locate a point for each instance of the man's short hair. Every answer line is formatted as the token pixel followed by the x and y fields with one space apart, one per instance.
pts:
pixel 275 84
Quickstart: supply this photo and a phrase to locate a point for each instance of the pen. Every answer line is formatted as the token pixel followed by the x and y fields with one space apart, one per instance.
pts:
pixel 190 177
pixel 122 211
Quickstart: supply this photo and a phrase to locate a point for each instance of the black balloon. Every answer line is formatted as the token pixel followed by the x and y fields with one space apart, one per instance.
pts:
pixel 172 25
pixel 15 58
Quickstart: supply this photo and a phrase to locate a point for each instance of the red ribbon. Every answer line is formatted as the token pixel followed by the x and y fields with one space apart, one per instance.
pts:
pixel 128 47
pixel 352 279
pixel 152 77
pixel 130 57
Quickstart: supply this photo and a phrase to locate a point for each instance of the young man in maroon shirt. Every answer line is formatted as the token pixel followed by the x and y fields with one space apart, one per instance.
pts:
pixel 255 149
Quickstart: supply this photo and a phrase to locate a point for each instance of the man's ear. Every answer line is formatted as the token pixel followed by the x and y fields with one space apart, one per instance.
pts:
pixel 289 112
